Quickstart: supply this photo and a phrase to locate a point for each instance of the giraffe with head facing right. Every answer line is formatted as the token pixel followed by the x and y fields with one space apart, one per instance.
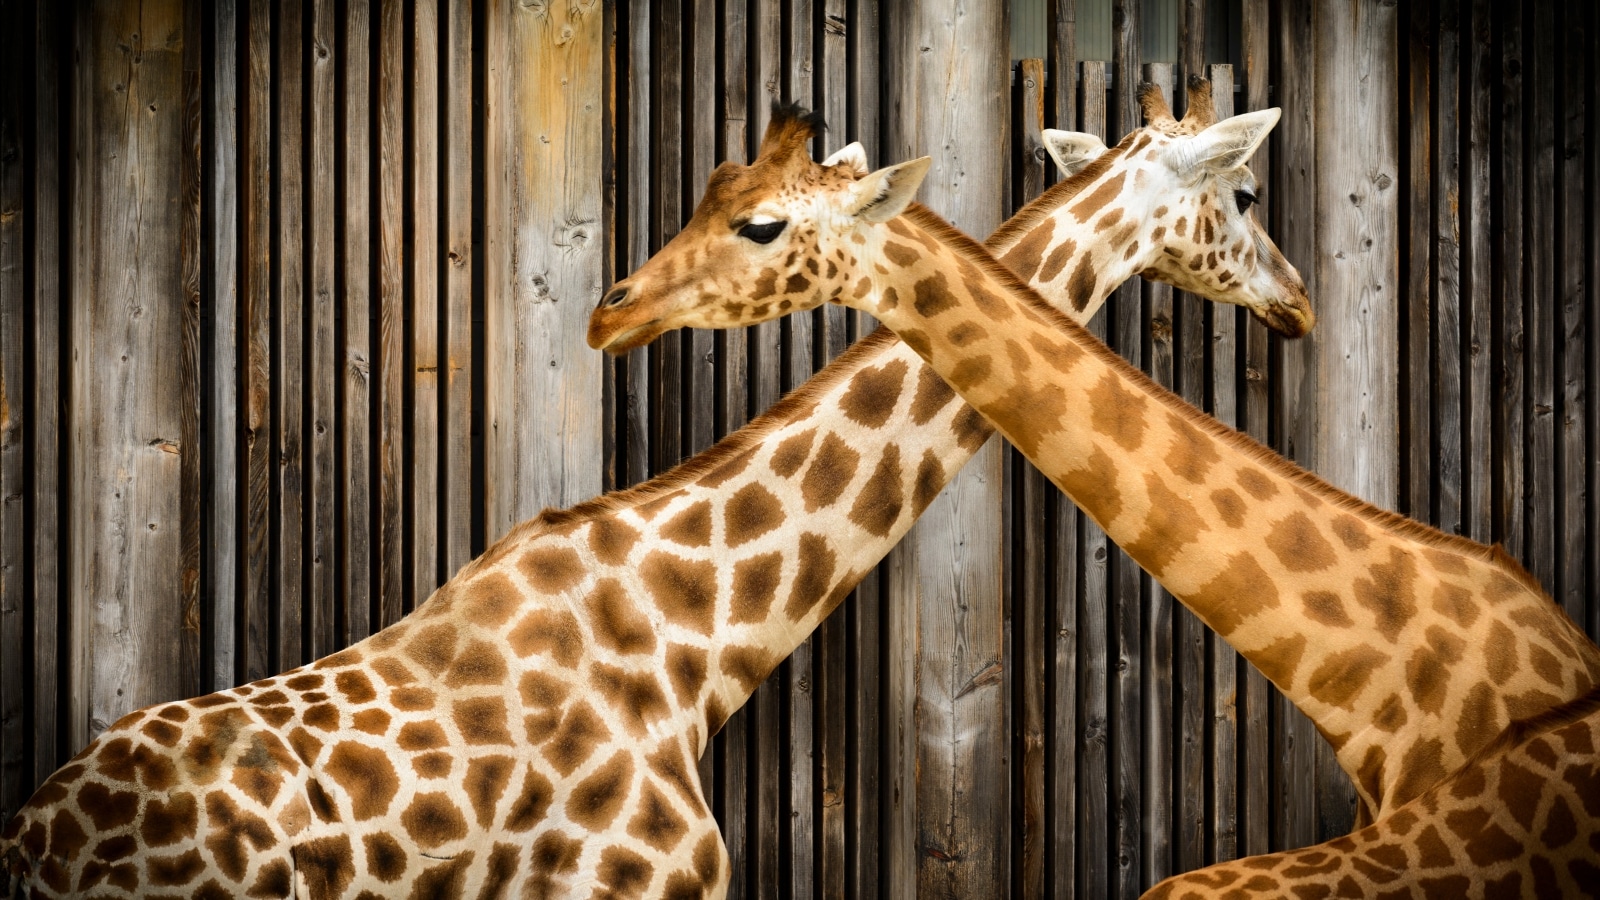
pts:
pixel 532 728
pixel 1410 650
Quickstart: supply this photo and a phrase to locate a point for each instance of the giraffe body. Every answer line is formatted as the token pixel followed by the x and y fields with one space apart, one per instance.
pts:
pixel 531 730
pixel 1411 650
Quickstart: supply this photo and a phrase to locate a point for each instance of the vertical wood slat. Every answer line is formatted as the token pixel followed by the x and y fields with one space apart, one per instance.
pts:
pixel 191 674
pixel 225 488
pixel 395 585
pixel 1357 274
pixel 1511 420
pixel 542 215
pixel 1572 338
pixel 260 165
pixel 1418 265
pixel 1031 538
pixel 960 843
pixel 1291 805
pixel 1477 278
pixel 354 360
pixel 1221 815
pixel 427 443
pixel 1129 585
pixel 323 631
pixel 15 409
pixel 1094 644
pixel 1542 513
pixel 867 717
pixel 1252 698
pixel 456 183
pixel 52 117
pixel 1161 655
pixel 289 343
pixel 126 457
pixel 1443 170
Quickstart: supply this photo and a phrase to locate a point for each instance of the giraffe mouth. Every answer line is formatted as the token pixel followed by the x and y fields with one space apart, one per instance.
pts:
pixel 624 341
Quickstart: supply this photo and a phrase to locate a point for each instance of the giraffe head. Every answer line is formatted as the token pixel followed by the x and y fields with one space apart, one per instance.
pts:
pixel 809 230
pixel 1195 197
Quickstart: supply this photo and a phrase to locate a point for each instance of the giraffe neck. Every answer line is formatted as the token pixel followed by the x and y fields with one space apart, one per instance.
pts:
pixel 1409 649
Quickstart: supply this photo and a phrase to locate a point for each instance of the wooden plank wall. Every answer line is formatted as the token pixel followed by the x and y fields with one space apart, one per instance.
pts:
pixel 367 229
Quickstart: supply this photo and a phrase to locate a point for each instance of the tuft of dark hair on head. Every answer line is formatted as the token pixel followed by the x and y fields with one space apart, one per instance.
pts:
pixel 799 115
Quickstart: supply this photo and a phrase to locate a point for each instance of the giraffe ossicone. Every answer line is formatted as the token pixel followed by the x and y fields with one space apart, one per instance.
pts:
pixel 1411 650
pixel 534 725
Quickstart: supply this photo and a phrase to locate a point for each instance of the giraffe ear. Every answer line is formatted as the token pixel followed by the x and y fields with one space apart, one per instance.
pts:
pixel 851 154
pixel 1072 150
pixel 1226 145
pixel 884 194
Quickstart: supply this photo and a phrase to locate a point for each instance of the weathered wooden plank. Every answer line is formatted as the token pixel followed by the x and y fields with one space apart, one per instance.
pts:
pixel 50 29
pixel 768 745
pixel 191 677
pixel 956 109
pixel 125 290
pixel 427 442
pixel 1130 585
pixel 798 674
pixel 735 145
pixel 700 371
pixel 867 717
pixel 221 476
pixel 1572 339
pixel 258 608
pixel 1594 303
pixel 1357 274
pixel 1510 414
pixel 1444 170
pixel 1542 311
pixel 1094 858
pixel 1221 816
pixel 1477 274
pixel 289 386
pixel 1161 655
pixel 354 376
pixel 322 430
pixel 542 387
pixel 1290 809
pixel 1418 264
pixel 394 582
pixel 633 371
pixel 1031 537
pixel 834 703
pixel 15 411
pixel 666 181
pixel 456 160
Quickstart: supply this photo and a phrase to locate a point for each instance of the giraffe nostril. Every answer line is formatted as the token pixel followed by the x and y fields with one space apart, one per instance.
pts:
pixel 614 296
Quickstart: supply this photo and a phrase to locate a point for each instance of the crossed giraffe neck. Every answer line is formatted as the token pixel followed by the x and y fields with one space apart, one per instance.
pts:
pixel 537 720
pixel 1409 649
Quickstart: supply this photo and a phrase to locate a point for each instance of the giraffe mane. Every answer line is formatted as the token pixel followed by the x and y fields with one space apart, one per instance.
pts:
pixel 1393 522
pixel 1032 214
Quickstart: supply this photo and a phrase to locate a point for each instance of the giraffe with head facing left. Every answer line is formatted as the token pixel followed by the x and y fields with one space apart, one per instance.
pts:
pixel 1411 650
pixel 532 729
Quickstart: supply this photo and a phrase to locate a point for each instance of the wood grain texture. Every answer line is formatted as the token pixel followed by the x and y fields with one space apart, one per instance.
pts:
pixel 1478 240
pixel 354 429
pixel 52 29
pixel 424 337
pixel 542 275
pixel 956 577
pixel 1576 587
pixel 456 159
pixel 126 293
pixel 1444 171
pixel 1220 817
pixel 258 165
pixel 1094 642
pixel 395 585
pixel 1031 537
pixel 289 399
pixel 1417 264
pixel 1510 287
pixel 324 631
pixel 15 408
pixel 190 663
pixel 222 550
pixel 1542 309
pixel 1292 745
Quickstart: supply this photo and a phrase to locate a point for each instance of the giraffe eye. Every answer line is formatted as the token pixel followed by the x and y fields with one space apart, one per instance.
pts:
pixel 764 233
pixel 1244 199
